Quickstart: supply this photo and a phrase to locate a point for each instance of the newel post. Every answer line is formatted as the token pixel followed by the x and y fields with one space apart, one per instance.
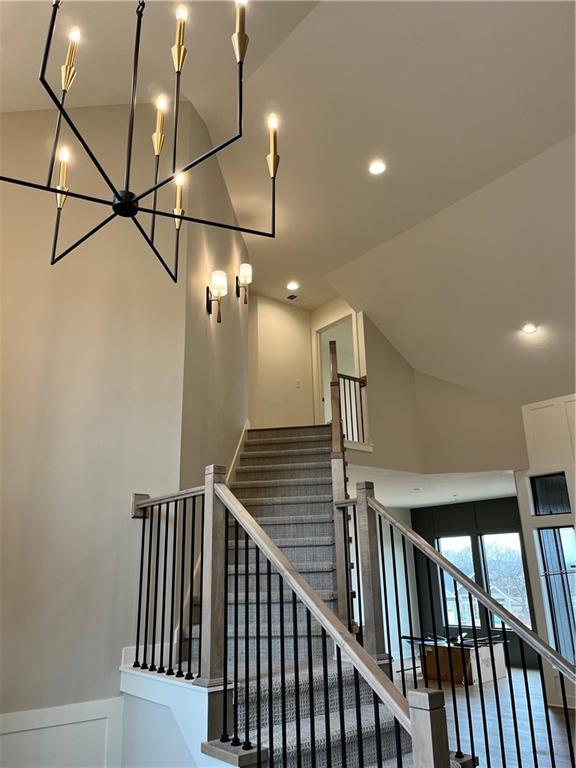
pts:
pixel 369 574
pixel 338 488
pixel 429 730
pixel 212 614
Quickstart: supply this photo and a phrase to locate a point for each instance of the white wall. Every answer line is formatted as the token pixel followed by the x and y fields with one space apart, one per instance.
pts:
pixel 280 364
pixel 114 381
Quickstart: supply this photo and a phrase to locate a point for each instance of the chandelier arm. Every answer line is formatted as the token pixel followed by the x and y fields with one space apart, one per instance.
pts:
pixel 176 254
pixel 211 152
pixel 55 190
pixel 155 197
pixel 220 225
pixel 59 106
pixel 139 14
pixel 154 249
pixel 85 237
pixel 55 142
pixel 55 237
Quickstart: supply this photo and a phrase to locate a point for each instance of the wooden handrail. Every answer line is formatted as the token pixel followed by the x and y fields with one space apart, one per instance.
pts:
pixel 149 502
pixel 360 659
pixel 528 635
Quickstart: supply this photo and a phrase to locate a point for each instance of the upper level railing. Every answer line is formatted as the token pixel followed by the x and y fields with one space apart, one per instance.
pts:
pixel 347 404
pixel 509 692
pixel 220 605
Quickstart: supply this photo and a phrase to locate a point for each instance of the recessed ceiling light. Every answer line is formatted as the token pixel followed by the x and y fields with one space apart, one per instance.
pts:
pixel 377 167
pixel 529 328
pixel 292 286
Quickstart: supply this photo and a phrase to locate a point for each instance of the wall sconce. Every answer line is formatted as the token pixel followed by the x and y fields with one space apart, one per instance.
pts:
pixel 215 291
pixel 243 280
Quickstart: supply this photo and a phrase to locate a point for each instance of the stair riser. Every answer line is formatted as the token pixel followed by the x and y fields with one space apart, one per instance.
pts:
pixel 269 458
pixel 319 429
pixel 301 612
pixel 388 743
pixel 311 554
pixel 288 651
pixel 270 472
pixel 322 488
pixel 290 510
pixel 284 444
pixel 303 530
pixel 317 701
pixel 318 580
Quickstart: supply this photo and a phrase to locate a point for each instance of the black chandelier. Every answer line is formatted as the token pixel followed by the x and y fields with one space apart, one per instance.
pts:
pixel 125 203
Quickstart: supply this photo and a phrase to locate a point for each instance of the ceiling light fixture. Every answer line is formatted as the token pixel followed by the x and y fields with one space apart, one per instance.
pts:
pixel 377 167
pixel 529 328
pixel 292 285
pixel 243 280
pixel 124 202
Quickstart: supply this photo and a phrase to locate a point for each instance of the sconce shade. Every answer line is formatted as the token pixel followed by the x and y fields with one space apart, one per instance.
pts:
pixel 218 284
pixel 245 274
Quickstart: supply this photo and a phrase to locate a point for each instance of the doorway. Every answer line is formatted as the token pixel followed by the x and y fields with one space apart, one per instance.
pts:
pixel 342 332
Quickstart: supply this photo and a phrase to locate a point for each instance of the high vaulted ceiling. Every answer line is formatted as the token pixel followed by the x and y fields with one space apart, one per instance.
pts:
pixel 452 95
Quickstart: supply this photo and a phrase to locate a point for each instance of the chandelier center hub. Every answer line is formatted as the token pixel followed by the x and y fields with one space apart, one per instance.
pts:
pixel 125 204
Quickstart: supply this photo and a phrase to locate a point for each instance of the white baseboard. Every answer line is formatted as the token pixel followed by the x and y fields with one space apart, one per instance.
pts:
pixel 232 467
pixel 83 735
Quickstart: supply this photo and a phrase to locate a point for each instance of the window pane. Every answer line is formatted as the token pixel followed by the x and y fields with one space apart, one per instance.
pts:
pixel 458 550
pixel 505 574
pixel 550 494
pixel 558 548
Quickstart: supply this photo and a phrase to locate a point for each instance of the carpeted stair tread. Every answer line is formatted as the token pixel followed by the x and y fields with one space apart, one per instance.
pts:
pixel 292 520
pixel 293 467
pixel 311 541
pixel 328 595
pixel 303 567
pixel 281 483
pixel 281 500
pixel 287 453
pixel 287 440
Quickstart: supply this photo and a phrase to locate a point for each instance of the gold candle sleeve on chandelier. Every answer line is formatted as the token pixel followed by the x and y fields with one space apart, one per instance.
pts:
pixel 73 41
pixel 240 17
pixel 181 16
pixel 273 128
pixel 63 176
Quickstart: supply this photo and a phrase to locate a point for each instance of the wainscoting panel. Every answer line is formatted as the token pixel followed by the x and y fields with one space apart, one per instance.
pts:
pixel 84 735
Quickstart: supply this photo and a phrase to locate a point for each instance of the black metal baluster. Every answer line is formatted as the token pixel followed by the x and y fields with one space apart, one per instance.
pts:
pixel 152 666
pixel 201 596
pixel 247 743
pixel 296 680
pixel 464 670
pixel 283 673
pixel 409 608
pixel 341 707
pixel 269 660
pixel 235 739
pixel 480 683
pixel 512 696
pixel 434 630
pixel 459 752
pixel 189 674
pixel 140 584
pixel 546 713
pixel 528 703
pixel 311 690
pixel 377 729
pixel 328 733
pixel 258 661
pixel 348 575
pixel 566 711
pixel 180 672
pixel 170 670
pixel 496 688
pixel 423 664
pixel 397 605
pixel 357 702
pixel 225 737
pixel 362 414
pixel 146 613
pixel 359 596
pixel 161 669
pixel 390 671
pixel 350 430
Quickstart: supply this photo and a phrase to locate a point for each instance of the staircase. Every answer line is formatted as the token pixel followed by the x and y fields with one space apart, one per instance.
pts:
pixel 284 480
